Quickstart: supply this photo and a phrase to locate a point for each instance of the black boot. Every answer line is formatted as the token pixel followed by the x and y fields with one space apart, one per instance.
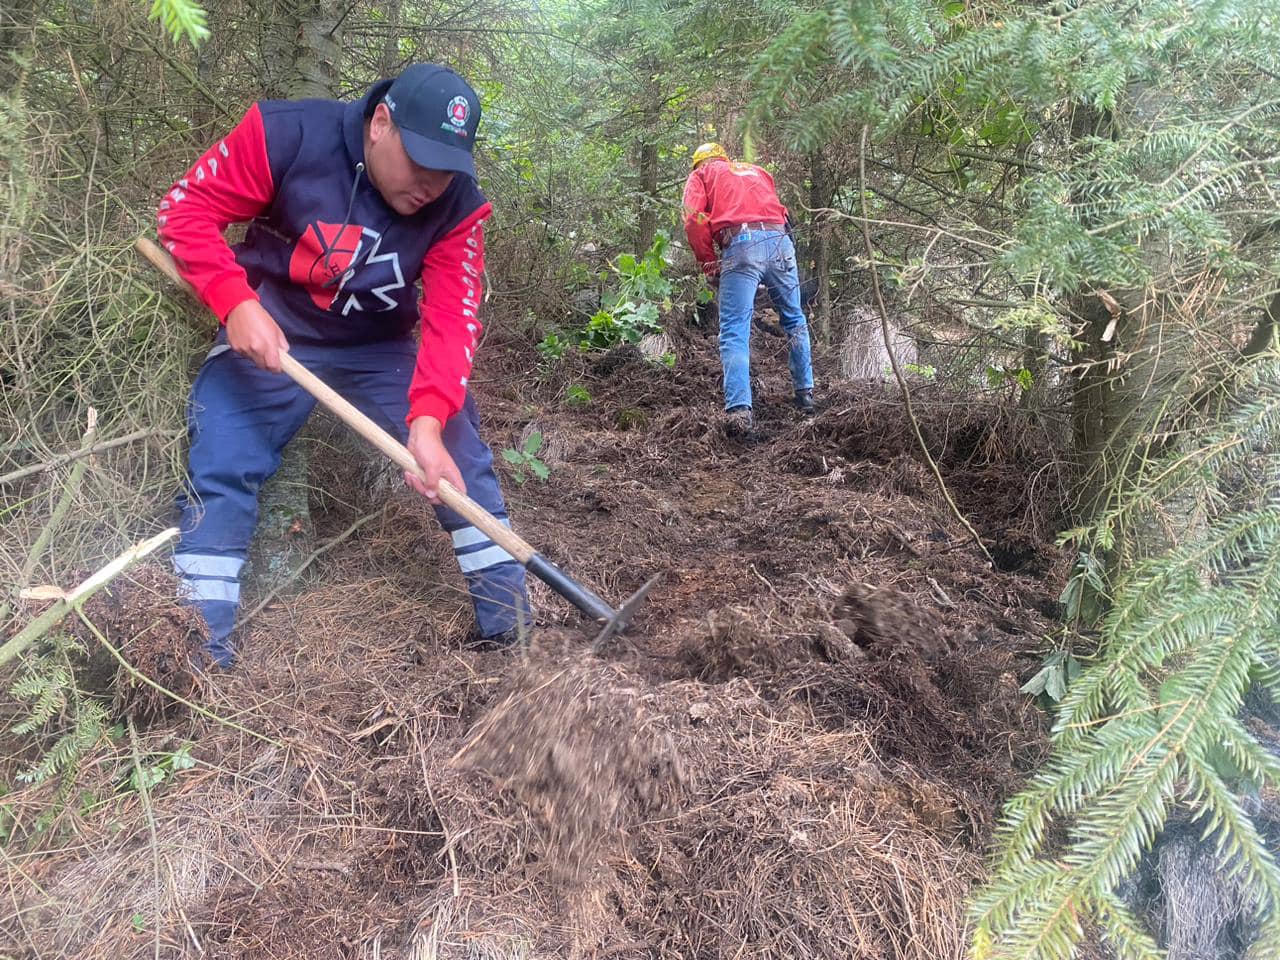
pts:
pixel 804 402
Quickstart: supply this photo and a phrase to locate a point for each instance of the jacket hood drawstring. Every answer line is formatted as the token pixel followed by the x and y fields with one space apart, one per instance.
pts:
pixel 346 222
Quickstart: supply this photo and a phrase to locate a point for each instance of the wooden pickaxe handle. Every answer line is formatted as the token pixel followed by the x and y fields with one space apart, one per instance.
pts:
pixel 582 598
pixel 453 498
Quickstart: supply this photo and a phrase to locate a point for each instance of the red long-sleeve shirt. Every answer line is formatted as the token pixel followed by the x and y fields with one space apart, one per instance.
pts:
pixel 724 193
pixel 291 167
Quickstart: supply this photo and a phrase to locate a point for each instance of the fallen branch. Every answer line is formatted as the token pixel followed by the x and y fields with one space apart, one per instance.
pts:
pixel 144 793
pixel 86 451
pixel 69 492
pixel 893 356
pixel 72 601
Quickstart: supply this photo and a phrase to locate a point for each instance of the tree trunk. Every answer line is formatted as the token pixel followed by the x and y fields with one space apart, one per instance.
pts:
pixel 821 195
pixel 647 215
pixel 389 58
pixel 1139 354
pixel 319 50
pixel 205 117
pixel 1140 398
pixel 285 531
pixel 648 200
pixel 1089 406
pixel 17 19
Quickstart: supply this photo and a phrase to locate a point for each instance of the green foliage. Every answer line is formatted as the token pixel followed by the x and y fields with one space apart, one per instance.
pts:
pixel 629 311
pixel 1000 376
pixel 1123 141
pixel 1083 598
pixel 1153 720
pixel 181 17
pixel 157 768
pixel 643 278
pixel 624 322
pixel 576 395
pixel 924 371
pixel 1037 315
pixel 991 79
pixel 526 459
pixel 66 722
pixel 1050 683
pixel 551 348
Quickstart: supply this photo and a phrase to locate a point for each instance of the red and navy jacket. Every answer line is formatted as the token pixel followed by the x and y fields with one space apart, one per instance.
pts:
pixel 725 193
pixel 325 255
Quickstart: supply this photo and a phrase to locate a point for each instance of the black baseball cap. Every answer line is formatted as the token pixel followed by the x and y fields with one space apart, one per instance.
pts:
pixel 437 114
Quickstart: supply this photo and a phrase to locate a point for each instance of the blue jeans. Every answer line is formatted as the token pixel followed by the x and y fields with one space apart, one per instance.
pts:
pixel 240 419
pixel 754 257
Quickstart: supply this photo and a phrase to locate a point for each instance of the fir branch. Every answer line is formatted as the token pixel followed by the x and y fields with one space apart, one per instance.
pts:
pixel 181 17
pixel 1123 931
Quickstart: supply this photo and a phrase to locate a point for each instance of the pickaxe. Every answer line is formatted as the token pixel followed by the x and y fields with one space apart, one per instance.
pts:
pixel 612 621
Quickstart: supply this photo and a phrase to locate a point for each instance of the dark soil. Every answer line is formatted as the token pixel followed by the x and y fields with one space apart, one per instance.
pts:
pixel 158 640
pixel 799 750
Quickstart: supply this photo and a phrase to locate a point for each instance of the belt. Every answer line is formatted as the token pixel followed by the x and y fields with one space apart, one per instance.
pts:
pixel 726 234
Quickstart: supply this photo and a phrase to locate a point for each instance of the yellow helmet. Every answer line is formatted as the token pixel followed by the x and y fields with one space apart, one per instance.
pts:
pixel 708 151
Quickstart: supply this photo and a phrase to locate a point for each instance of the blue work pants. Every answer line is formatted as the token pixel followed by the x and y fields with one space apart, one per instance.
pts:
pixel 751 258
pixel 239 420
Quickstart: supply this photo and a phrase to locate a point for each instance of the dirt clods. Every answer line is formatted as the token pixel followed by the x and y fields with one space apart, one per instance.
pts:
pixel 584 752
pixel 159 639
pixel 735 645
pixel 884 622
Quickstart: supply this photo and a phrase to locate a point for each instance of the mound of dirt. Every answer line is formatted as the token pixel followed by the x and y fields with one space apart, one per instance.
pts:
pixel 158 639
pixel 582 752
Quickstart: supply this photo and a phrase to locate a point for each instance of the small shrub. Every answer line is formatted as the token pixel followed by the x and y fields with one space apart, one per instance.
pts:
pixel 525 460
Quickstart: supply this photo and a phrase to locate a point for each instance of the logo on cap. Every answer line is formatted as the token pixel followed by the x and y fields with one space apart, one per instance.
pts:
pixel 459 110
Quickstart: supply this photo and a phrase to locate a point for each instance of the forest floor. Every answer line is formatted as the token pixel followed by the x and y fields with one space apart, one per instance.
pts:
pixel 799 750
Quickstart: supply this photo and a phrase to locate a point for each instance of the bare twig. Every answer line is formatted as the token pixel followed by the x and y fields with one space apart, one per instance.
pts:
pixel 144 792
pixel 77 596
pixel 893 357
pixel 87 450
pixel 315 555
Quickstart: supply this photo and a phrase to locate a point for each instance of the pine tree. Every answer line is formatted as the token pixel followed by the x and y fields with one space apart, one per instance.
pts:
pixel 1141 232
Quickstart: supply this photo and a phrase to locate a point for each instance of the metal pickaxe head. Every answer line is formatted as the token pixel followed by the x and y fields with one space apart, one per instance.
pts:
pixel 621 619
pixel 612 621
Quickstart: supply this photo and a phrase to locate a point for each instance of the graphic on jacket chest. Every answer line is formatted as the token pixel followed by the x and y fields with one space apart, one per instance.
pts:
pixel 328 255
